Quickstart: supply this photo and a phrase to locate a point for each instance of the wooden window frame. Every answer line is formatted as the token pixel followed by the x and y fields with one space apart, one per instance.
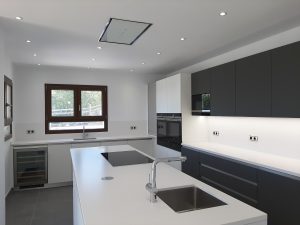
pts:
pixel 77 109
pixel 8 121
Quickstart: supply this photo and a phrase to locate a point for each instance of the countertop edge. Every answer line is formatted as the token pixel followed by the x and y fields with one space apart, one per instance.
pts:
pixel 71 141
pixel 270 168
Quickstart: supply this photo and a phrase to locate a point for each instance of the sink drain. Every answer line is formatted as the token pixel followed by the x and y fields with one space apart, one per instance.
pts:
pixel 107 178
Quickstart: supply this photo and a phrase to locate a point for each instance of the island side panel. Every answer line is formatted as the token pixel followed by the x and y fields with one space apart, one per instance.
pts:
pixel 77 214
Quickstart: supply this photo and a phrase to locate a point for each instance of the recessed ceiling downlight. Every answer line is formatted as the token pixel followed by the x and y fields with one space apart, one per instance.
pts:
pixel 28 41
pixel 223 13
pixel 99 47
pixel 34 54
pixel 19 18
pixel 93 59
pixel 122 31
pixel 182 39
pixel 158 53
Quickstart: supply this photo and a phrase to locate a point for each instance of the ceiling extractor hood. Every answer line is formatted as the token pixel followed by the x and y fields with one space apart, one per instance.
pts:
pixel 121 31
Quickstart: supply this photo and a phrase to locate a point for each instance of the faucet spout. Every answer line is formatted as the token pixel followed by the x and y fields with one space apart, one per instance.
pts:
pixel 151 186
pixel 84 134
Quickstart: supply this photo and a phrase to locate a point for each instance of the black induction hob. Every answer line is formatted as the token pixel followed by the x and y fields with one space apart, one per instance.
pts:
pixel 126 158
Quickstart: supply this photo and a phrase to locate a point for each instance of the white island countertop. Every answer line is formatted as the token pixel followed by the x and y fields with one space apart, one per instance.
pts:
pixel 125 201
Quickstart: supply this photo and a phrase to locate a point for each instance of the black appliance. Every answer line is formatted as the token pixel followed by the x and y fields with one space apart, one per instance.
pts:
pixel 169 130
pixel 126 158
pixel 201 104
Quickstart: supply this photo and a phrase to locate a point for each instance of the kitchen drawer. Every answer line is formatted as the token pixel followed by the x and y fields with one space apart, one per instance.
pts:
pixel 239 187
pixel 229 166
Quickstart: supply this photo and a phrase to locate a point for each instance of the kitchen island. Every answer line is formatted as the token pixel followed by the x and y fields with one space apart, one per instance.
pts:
pixel 125 201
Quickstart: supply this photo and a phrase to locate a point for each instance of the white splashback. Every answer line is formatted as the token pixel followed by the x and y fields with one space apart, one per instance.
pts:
pixel 280 136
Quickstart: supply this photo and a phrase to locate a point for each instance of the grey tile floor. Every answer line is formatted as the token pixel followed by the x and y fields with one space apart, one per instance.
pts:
pixel 53 206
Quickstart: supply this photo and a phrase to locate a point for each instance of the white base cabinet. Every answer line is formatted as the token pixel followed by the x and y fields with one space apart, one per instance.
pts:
pixel 163 152
pixel 59 163
pixel 146 146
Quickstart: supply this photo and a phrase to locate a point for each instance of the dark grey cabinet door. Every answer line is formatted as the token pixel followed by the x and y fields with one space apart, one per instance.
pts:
pixel 286 81
pixel 279 197
pixel 253 85
pixel 190 166
pixel 201 82
pixel 223 90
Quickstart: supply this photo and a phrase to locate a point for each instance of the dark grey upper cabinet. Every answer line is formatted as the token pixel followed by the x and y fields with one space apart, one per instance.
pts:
pixel 253 85
pixel 223 90
pixel 201 82
pixel 286 81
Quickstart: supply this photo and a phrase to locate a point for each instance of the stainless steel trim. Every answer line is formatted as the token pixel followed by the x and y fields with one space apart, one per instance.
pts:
pixel 151 186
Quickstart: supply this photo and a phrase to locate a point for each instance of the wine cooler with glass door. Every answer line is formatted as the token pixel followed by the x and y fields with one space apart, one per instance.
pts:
pixel 30 166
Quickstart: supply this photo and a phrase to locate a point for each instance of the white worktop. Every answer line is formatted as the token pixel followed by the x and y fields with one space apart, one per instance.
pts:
pixel 125 201
pixel 277 163
pixel 73 141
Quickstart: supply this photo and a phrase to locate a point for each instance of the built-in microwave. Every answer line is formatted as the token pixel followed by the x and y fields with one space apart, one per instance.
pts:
pixel 201 104
pixel 169 132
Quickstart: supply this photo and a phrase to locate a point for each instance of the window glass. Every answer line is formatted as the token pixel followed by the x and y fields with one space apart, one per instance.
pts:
pixel 76 125
pixel 8 102
pixel 91 103
pixel 62 103
pixel 69 107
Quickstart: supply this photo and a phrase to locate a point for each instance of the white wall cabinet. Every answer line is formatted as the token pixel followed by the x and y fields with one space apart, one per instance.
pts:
pixel 59 163
pixel 168 95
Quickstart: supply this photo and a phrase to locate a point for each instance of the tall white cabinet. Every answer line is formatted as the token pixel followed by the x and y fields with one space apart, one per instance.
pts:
pixel 168 95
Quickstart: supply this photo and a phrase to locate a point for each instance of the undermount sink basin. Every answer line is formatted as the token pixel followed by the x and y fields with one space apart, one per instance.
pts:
pixel 83 139
pixel 188 198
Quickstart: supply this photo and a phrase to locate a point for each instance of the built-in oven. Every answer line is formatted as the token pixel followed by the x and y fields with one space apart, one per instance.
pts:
pixel 169 130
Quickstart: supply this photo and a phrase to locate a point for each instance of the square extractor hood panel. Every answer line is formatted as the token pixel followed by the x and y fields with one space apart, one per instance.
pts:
pixel 123 31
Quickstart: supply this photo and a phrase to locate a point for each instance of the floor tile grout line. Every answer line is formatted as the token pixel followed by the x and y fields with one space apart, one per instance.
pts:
pixel 35 207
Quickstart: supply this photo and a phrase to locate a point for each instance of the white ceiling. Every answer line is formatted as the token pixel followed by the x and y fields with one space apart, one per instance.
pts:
pixel 66 32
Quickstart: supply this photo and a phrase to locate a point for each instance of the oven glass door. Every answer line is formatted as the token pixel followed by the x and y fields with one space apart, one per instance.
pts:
pixel 161 128
pixel 174 135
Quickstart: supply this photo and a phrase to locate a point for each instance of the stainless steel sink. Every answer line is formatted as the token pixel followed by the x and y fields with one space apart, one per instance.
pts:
pixel 188 198
pixel 83 139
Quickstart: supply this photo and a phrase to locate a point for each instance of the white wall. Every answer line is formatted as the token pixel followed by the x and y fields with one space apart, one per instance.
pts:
pixel 5 153
pixel 127 99
pixel 280 136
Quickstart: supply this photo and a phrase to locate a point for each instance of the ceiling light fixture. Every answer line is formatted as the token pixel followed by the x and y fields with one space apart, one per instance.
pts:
pixel 223 13
pixel 93 59
pixel 182 39
pixel 143 63
pixel 158 53
pixel 34 54
pixel 99 47
pixel 19 18
pixel 39 64
pixel 28 41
